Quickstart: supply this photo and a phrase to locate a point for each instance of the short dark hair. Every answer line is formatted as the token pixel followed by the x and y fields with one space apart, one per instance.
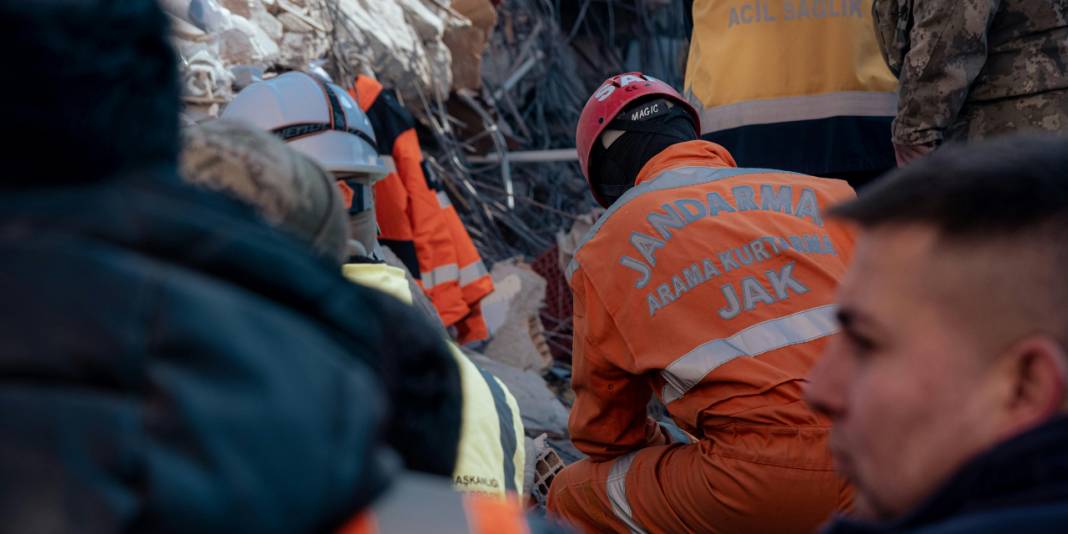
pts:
pixel 986 189
pixel 91 84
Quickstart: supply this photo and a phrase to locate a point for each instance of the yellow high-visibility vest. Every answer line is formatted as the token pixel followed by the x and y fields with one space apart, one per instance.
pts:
pixel 491 452
pixel 772 61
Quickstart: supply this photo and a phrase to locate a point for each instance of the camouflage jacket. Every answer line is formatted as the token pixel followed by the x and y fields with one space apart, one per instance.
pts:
pixel 975 68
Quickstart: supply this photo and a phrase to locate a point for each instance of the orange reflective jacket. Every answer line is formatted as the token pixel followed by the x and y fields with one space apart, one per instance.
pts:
pixel 410 220
pixel 709 285
pixel 399 231
pixel 475 280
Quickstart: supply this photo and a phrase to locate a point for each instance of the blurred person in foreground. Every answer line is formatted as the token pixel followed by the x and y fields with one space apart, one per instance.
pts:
pixel 947 389
pixel 973 69
pixel 170 362
pixel 417 221
pixel 299 197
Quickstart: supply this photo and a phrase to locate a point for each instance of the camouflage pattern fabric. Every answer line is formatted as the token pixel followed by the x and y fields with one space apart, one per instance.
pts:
pixel 973 69
pixel 289 190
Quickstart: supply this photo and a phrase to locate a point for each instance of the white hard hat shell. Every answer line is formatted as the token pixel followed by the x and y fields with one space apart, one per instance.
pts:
pixel 296 98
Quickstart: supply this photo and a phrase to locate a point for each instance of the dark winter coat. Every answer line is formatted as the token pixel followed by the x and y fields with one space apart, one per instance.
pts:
pixel 170 363
pixel 1021 486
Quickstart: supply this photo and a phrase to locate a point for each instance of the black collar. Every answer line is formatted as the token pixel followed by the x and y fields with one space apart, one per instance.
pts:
pixel 1028 470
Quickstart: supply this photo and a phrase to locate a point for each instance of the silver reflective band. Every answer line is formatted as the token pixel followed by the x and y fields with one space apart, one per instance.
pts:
pixel 617 492
pixel 671 179
pixel 443 200
pixel 441 275
pixel 801 327
pixel 798 108
pixel 472 272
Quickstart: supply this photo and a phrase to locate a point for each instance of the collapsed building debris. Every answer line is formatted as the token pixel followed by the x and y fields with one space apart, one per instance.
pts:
pixel 519 337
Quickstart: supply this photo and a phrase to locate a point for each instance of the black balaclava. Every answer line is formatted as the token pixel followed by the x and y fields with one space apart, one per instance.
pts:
pixel 649 127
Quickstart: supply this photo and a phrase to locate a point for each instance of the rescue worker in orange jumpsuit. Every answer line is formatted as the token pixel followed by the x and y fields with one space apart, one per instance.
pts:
pixel 418 222
pixel 711 287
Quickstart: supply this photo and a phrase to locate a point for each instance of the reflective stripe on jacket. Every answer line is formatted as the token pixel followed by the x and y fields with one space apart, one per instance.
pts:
pixel 410 219
pixel 710 285
pixel 475 280
pixel 491 453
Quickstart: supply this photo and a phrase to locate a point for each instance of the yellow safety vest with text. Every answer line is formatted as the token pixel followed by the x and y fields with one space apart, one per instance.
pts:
pixel 491 452
pixel 771 61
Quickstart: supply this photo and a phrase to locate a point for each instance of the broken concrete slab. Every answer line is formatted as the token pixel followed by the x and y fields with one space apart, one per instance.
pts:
pixel 268 23
pixel 399 40
pixel 207 15
pixel 241 8
pixel 299 49
pixel 467 42
pixel 427 23
pixel 293 23
pixel 518 340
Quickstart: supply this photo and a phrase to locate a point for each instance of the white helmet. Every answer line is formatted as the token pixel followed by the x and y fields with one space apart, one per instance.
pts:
pixel 316 118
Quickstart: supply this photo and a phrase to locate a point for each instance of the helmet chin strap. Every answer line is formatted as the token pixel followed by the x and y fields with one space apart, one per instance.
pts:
pixel 363 226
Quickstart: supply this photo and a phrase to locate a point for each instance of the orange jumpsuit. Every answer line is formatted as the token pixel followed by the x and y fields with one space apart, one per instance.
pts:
pixel 711 287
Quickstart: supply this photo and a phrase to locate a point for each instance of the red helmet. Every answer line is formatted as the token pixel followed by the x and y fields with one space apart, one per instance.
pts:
pixel 611 98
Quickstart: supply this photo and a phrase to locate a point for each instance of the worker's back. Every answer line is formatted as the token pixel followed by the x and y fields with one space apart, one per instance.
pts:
pixel 792 85
pixel 715 284
pixel 709 286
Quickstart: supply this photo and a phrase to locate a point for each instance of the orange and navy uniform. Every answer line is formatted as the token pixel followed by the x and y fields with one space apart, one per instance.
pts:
pixel 418 223
pixel 475 280
pixel 711 287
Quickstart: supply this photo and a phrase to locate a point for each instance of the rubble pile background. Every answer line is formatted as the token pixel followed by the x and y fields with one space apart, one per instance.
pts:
pixel 228 42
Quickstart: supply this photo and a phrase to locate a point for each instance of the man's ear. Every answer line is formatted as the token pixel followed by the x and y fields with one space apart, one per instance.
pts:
pixel 1037 371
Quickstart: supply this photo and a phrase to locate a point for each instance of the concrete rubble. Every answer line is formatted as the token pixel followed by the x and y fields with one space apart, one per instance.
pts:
pixel 401 41
pixel 512 314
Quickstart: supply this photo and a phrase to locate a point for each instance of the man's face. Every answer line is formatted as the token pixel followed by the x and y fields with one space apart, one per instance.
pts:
pixel 906 383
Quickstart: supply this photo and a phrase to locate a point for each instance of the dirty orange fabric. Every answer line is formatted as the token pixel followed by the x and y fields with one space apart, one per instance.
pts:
pixel 365 90
pixel 391 210
pixel 481 514
pixel 473 327
pixel 710 286
pixel 491 515
pixel 346 193
pixel 432 226
pixel 363 523
pixel 731 486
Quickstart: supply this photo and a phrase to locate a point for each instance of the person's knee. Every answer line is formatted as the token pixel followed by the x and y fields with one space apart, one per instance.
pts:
pixel 558 488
